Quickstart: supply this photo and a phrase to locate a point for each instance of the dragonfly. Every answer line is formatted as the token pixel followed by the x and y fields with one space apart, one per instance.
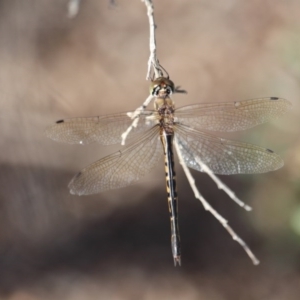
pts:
pixel 192 127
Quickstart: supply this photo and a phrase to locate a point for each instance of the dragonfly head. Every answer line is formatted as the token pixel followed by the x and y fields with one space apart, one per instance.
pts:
pixel 162 87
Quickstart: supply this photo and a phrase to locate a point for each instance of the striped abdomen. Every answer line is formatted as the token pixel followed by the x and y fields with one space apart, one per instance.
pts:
pixel 167 141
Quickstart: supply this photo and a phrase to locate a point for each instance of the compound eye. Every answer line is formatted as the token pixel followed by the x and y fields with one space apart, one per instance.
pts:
pixel 168 90
pixel 156 91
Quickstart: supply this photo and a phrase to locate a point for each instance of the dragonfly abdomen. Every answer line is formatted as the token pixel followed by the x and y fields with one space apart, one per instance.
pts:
pixel 167 141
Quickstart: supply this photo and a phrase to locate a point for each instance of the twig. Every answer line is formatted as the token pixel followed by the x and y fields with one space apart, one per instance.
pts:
pixel 209 208
pixel 221 185
pixel 153 63
pixel 135 117
pixel 153 66
pixel 73 8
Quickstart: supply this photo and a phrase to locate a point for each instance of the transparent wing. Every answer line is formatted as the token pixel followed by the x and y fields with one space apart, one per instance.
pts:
pixel 232 116
pixel 224 156
pixel 121 168
pixel 105 130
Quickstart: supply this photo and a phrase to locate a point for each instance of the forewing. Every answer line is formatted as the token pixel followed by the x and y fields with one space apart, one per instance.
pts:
pixel 106 130
pixel 121 168
pixel 232 116
pixel 224 156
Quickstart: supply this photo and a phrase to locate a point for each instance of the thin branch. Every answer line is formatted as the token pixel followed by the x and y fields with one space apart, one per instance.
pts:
pixel 153 66
pixel 153 63
pixel 74 5
pixel 73 8
pixel 135 117
pixel 221 185
pixel 209 208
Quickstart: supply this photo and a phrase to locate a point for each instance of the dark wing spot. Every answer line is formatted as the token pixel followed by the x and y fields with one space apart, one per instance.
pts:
pixel 274 98
pixel 269 150
pixel 60 121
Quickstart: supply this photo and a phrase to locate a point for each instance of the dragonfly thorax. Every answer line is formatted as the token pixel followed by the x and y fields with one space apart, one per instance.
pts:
pixel 161 89
pixel 165 111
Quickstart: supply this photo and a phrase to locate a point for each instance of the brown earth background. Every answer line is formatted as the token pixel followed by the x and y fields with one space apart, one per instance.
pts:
pixel 116 245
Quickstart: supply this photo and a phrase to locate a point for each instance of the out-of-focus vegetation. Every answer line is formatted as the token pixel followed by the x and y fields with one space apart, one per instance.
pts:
pixel 116 245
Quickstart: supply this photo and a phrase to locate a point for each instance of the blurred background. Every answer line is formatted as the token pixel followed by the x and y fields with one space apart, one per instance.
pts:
pixel 116 245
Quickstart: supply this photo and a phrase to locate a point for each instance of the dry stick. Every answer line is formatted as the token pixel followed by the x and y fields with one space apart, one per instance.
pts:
pixel 152 61
pixel 221 185
pixel 152 65
pixel 135 116
pixel 73 8
pixel 209 208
